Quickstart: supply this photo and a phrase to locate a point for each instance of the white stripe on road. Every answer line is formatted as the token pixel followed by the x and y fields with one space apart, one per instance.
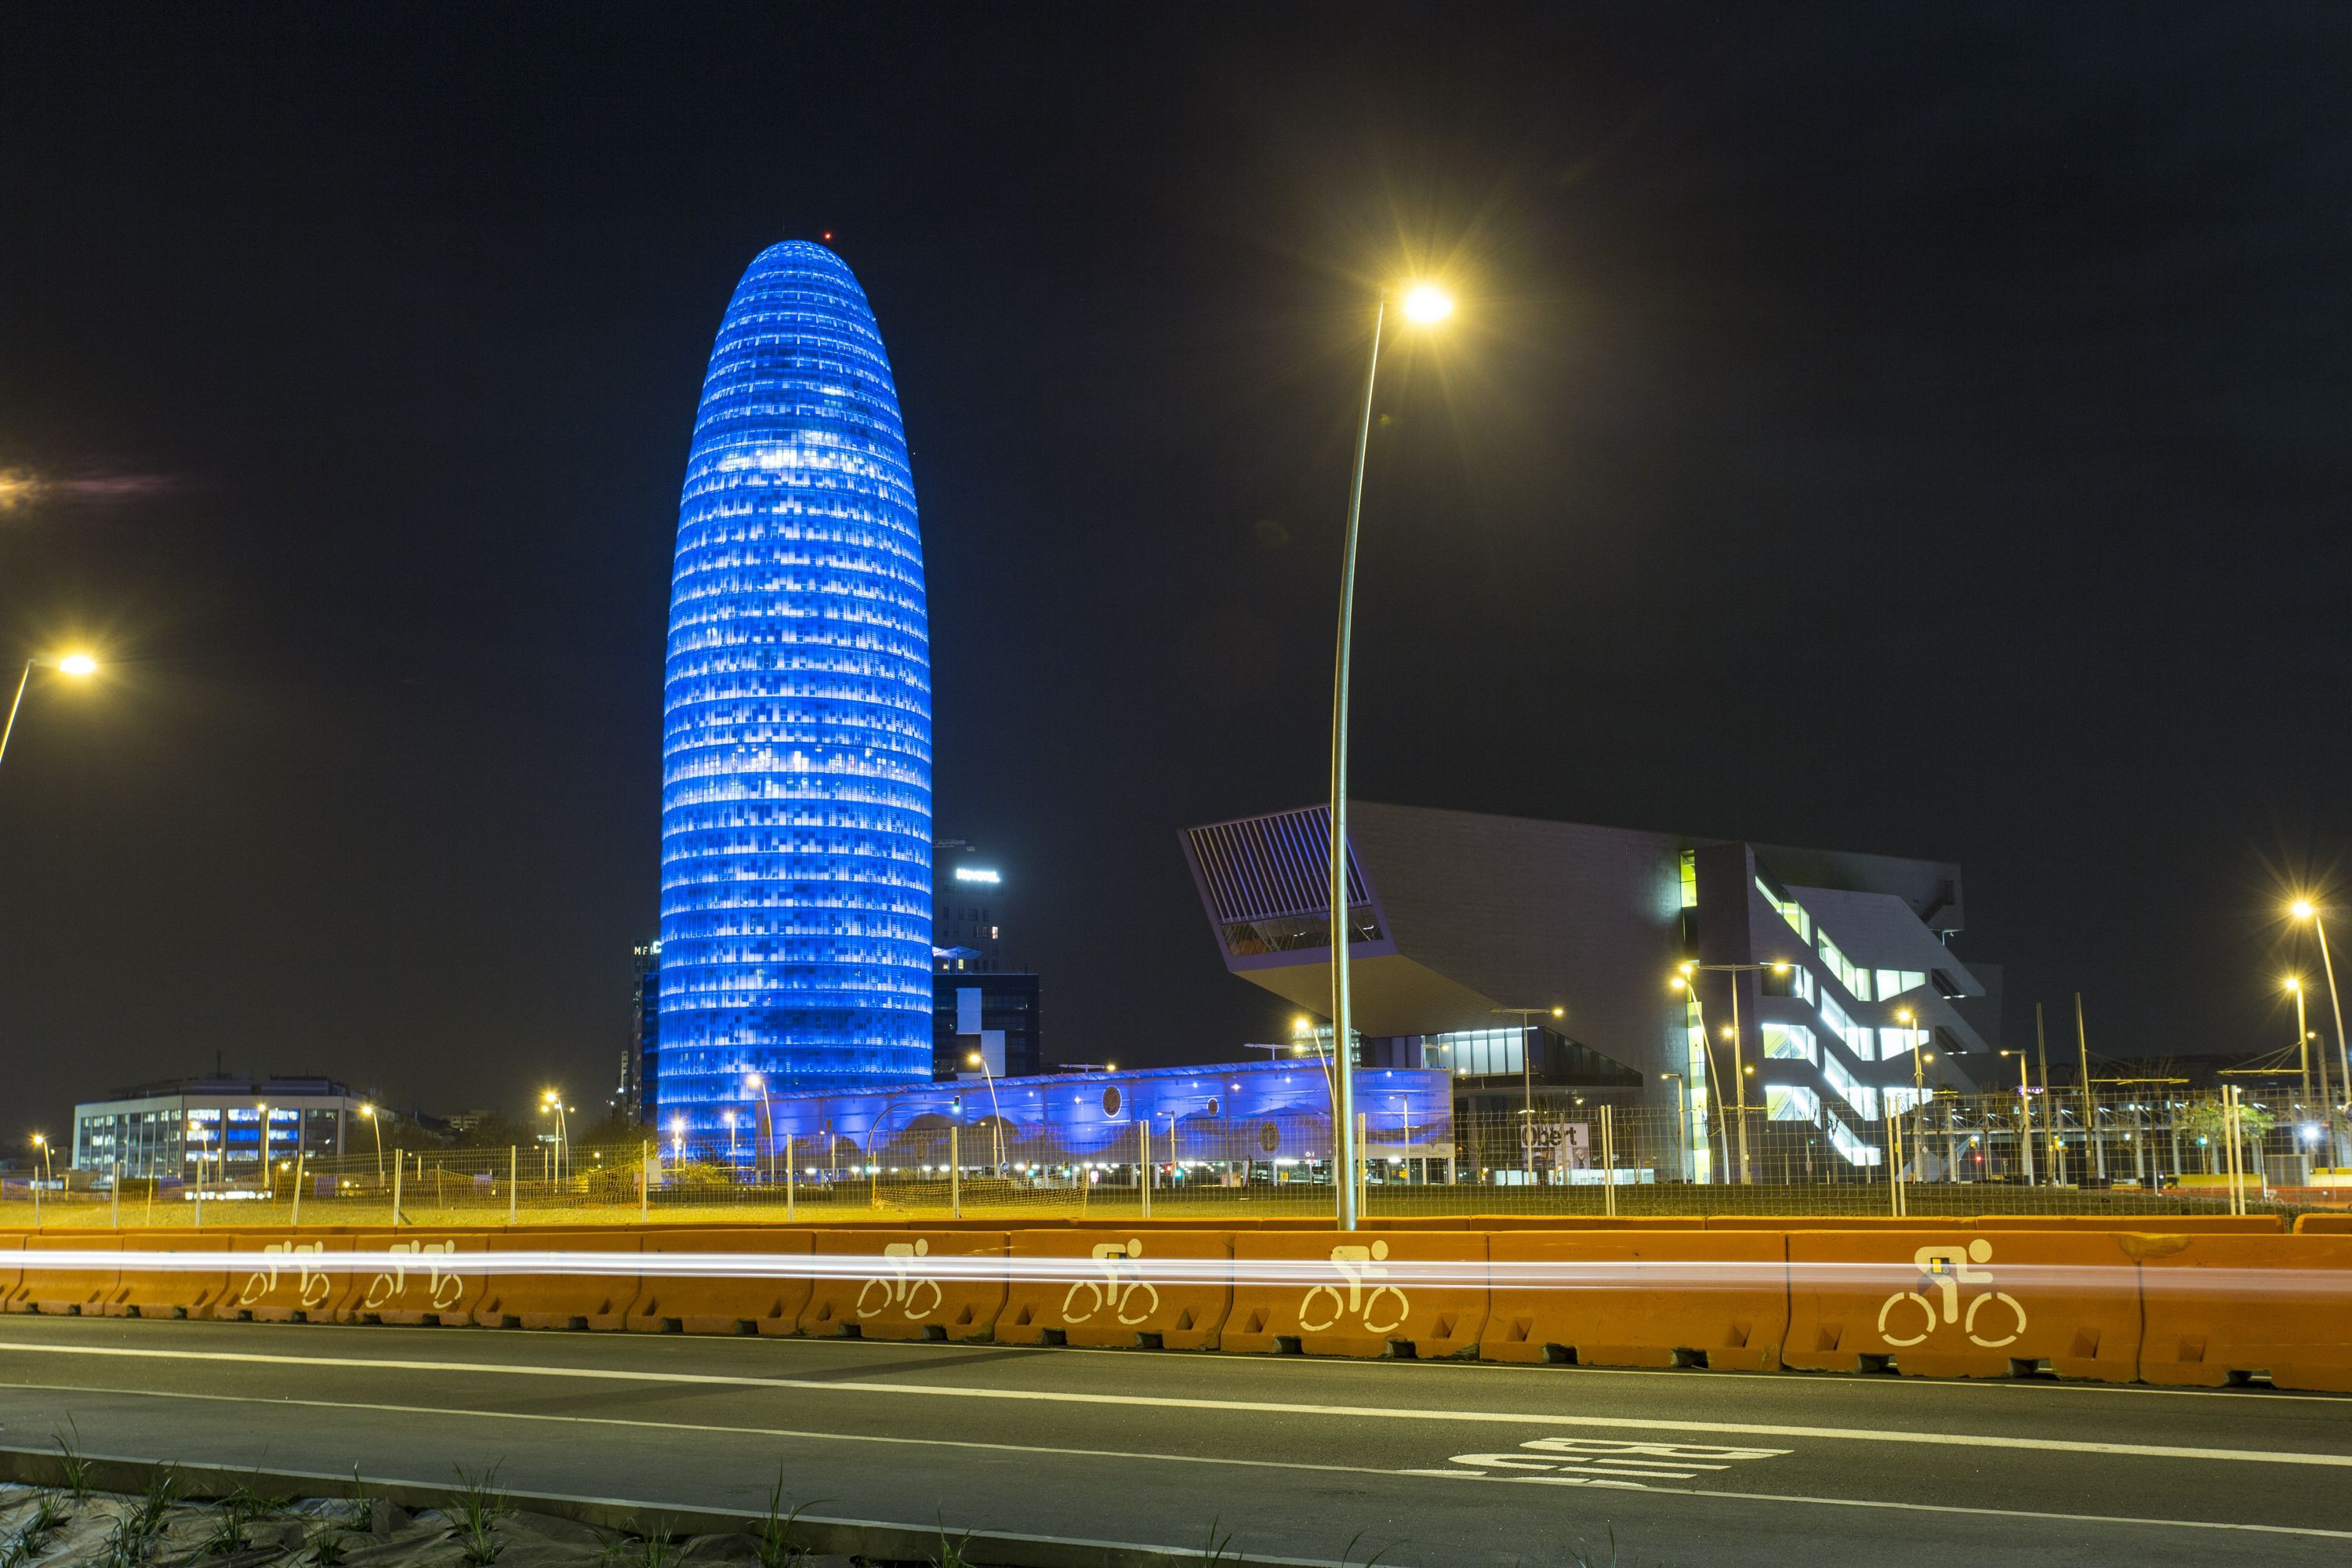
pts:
pixel 1553 1481
pixel 1171 1402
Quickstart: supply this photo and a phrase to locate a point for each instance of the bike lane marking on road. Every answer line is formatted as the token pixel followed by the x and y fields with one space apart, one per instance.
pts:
pixel 1173 1402
pixel 2311 1531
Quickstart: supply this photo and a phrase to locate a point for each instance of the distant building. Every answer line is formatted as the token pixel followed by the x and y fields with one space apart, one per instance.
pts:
pixel 971 909
pixel 993 1016
pixel 167 1129
pixel 640 1090
pixel 1822 978
pixel 796 714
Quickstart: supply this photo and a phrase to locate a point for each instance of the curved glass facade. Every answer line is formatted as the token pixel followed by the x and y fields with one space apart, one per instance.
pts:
pixel 796 742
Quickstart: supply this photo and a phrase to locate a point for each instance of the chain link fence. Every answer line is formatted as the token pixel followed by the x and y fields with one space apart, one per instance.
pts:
pixel 1953 1156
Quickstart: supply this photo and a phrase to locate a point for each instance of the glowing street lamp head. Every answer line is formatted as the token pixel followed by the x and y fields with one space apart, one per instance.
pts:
pixel 1559 1012
pixel 2293 983
pixel 78 664
pixel 1426 303
pixel 972 1059
pixel 2301 908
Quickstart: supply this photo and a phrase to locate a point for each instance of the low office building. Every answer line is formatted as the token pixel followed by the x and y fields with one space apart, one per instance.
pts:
pixel 991 1016
pixel 1269 1113
pixel 1539 961
pixel 187 1127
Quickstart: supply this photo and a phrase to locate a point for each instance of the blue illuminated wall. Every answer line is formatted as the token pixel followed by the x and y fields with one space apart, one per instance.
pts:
pixel 797 743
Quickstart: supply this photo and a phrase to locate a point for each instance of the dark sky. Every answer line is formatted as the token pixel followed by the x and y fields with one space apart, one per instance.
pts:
pixel 1921 430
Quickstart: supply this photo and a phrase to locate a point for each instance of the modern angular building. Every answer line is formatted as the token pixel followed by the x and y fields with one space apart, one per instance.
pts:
pixel 1467 930
pixel 795 933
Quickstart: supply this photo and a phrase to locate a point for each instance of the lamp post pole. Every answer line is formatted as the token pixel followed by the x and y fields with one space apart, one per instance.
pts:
pixel 1690 972
pixel 2303 909
pixel 996 1141
pixel 77 665
pixel 1527 1078
pixel 1421 304
pixel 377 1127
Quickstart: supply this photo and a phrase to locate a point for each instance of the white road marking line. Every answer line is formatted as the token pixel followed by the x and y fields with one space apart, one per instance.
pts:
pixel 1171 1402
pixel 1556 1480
pixel 714 1428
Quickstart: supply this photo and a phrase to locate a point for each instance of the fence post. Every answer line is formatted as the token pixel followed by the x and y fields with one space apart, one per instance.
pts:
pixel 1361 1175
pixel 955 1173
pixel 1607 1160
pixel 644 1177
pixel 301 1168
pixel 514 1161
pixel 788 1175
pixel 399 1169
pixel 118 1194
pixel 1143 1160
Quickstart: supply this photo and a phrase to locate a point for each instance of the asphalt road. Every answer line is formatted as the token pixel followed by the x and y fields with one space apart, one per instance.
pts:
pixel 1440 1464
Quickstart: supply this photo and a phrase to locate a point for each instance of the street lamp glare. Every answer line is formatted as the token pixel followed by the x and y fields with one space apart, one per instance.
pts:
pixel 2300 909
pixel 78 664
pixel 1426 303
pixel 972 1058
pixel 2293 983
pixel 1559 1012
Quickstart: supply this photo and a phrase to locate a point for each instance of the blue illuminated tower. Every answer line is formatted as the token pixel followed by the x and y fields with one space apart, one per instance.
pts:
pixel 796 738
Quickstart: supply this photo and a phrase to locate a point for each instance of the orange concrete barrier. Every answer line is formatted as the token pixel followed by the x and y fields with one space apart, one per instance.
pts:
pixel 2322 1225
pixel 2222 1307
pixel 66 1292
pixel 1829 1222
pixel 595 1296
pixel 1361 1293
pixel 1938 1302
pixel 290 1277
pixel 12 1264
pixel 913 1285
pixel 1105 1290
pixel 1495 1221
pixel 2154 1224
pixel 153 1293
pixel 769 1302
pixel 1638 1298
pixel 416 1276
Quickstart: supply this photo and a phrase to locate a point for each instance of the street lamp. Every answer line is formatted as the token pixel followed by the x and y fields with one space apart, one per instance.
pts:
pixel 1528 1077
pixel 1739 1073
pixel 2305 909
pixel 2025 1110
pixel 551 1101
pixel 79 665
pixel 1424 304
pixel 369 1111
pixel 758 1085
pixel 48 1170
pixel 266 1187
pixel 977 1059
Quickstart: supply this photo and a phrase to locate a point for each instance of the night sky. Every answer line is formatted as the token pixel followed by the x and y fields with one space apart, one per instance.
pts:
pixel 1903 429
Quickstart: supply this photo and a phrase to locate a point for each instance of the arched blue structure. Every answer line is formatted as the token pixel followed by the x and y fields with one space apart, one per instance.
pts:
pixel 797 743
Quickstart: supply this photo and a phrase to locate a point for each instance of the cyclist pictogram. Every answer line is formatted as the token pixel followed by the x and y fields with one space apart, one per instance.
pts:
pixel 1946 1269
pixel 1121 1291
pixel 443 1290
pixel 904 1288
pixel 1383 1308
pixel 311 1287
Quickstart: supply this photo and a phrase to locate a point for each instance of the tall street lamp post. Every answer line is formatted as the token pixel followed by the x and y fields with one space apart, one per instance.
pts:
pixel 78 664
pixel 1528 1077
pixel 1690 972
pixel 553 1101
pixel 1423 304
pixel 996 1141
pixel 373 1122
pixel 2305 909
pixel 758 1085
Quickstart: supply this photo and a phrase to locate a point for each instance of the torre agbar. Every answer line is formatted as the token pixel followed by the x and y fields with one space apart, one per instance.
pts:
pixel 797 745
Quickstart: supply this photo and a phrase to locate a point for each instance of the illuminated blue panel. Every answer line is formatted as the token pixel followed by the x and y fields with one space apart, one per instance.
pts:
pixel 796 742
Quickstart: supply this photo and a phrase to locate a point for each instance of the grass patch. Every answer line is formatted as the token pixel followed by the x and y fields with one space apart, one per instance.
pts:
pixel 476 1507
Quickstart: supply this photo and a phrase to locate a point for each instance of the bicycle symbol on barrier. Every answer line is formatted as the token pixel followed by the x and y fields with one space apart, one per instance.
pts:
pixel 444 1289
pixel 903 1291
pixel 311 1287
pixel 1358 1265
pixel 1946 1268
pixel 1121 1291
